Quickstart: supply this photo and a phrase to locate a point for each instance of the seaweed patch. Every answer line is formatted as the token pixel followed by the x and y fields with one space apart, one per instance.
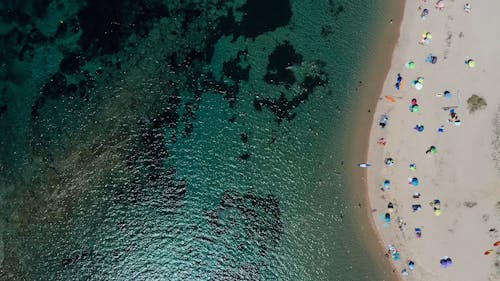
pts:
pixel 262 16
pixel 280 60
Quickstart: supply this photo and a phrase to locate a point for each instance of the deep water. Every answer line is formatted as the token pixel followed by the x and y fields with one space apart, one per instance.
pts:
pixel 179 140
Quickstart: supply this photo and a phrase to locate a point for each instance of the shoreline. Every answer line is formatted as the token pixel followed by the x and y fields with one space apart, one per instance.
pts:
pixel 379 63
pixel 463 180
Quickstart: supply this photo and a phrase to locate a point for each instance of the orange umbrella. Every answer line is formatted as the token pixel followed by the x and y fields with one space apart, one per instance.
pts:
pixel 390 98
pixel 496 243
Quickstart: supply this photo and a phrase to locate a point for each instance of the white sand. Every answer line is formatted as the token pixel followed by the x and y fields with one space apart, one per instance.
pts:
pixel 466 167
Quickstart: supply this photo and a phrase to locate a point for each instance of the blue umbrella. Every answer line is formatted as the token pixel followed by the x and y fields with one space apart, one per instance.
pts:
pixel 411 265
pixel 387 184
pixel 447 95
pixel 414 181
pixel 443 263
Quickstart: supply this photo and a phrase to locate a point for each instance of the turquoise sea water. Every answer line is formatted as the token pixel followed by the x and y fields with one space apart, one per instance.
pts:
pixel 180 140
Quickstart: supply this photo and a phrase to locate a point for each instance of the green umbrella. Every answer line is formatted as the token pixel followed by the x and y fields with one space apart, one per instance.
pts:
pixel 410 65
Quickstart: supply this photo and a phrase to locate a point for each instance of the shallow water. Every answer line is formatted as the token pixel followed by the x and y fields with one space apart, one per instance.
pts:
pixel 180 140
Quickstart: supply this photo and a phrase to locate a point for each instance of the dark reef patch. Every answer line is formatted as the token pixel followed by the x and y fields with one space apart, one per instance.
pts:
pixel 245 156
pixel 229 92
pixel 233 69
pixel 40 7
pixel 280 59
pixel 3 109
pixel 100 22
pixel 71 63
pixel 191 12
pixel 62 29
pixel 282 107
pixel 57 87
pixel 327 30
pixel 75 258
pixel 244 137
pixel 106 24
pixel 151 181
pixel 335 9
pixel 260 16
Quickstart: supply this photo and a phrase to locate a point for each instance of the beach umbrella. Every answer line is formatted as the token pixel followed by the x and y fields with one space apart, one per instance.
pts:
pixel 414 181
pixel 418 85
pixel 410 65
pixel 419 128
pixel 449 262
pixel 437 212
pixel 418 232
pixel 387 184
pixel 404 272
pixel 390 206
pixel 425 12
pixel 387 217
pixel 440 4
pixel 471 63
pixel 496 244
pixel 415 108
pixel 447 95
pixel 413 167
pixel 443 263
pixel 488 252
pixel 411 265
pixel 389 161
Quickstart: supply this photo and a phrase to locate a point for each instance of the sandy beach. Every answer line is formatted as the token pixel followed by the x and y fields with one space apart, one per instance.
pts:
pixel 434 183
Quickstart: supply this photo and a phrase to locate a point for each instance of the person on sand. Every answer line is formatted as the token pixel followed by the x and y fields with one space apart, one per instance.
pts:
pixel 467 8
pixel 382 141
pixel 439 5
pixel 431 150
pixel 390 207
pixel 389 161
pixel 383 120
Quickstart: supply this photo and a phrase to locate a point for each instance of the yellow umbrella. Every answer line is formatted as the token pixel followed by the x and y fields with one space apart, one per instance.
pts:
pixel 471 63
